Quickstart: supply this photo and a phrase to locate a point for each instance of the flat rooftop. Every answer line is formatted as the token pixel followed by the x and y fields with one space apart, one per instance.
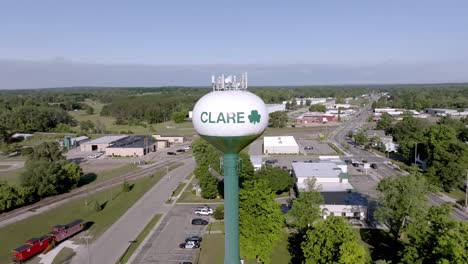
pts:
pixel 279 141
pixel 133 142
pixel 105 140
pixel 344 198
pixel 316 169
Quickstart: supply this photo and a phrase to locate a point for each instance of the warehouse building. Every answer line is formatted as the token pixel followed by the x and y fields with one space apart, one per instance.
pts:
pixel 100 144
pixel 280 145
pixel 314 117
pixel 131 146
pixel 171 139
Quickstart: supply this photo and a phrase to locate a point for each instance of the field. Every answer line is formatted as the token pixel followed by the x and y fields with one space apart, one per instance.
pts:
pixel 212 251
pixel 112 208
pixel 12 177
pixel 108 174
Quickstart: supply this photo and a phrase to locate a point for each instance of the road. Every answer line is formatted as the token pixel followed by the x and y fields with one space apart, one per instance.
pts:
pixel 113 243
pixel 339 138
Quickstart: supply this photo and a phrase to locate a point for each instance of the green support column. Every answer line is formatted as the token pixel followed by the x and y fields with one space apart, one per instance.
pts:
pixel 231 209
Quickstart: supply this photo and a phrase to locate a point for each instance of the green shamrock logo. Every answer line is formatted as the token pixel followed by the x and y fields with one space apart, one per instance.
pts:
pixel 254 117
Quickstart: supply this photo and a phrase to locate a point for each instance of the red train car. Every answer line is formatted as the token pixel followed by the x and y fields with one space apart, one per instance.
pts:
pixel 35 246
pixel 62 232
pixel 31 248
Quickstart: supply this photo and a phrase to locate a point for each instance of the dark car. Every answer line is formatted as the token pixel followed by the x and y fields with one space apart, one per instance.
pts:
pixel 199 221
pixel 284 167
pixel 180 150
pixel 271 161
pixel 171 153
pixel 374 166
pixel 308 148
pixel 197 239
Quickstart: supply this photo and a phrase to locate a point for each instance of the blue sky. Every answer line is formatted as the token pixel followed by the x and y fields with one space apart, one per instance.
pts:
pixel 39 37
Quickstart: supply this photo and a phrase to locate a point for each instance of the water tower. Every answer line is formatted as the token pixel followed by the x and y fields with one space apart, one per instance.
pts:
pixel 230 118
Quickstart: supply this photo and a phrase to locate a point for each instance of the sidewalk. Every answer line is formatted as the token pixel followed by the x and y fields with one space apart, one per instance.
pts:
pixel 113 243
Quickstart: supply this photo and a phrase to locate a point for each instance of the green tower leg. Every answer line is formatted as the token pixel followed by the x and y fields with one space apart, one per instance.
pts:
pixel 231 209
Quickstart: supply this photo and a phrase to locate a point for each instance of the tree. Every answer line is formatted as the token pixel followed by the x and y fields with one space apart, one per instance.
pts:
pixel 385 122
pixel 278 119
pixel 333 241
pixel 49 151
pixel 307 102
pixel 306 207
pixel 178 117
pixel 247 169
pixel 361 138
pixel 402 199
pixel 205 154
pixel 87 126
pixel 278 180
pixel 209 186
pixel 219 212
pixel 437 238
pixel 89 110
pixel 318 108
pixel 260 221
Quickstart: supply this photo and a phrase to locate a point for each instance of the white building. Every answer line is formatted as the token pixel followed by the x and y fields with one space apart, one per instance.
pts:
pixel 257 162
pixel 21 136
pixel 170 139
pixel 76 141
pixel 330 176
pixel 349 205
pixel 344 106
pixel 275 108
pixel 100 144
pixel 280 145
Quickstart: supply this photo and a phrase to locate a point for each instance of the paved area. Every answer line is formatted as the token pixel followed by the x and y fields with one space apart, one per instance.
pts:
pixel 162 247
pixel 110 245
pixel 50 256
pixel 12 165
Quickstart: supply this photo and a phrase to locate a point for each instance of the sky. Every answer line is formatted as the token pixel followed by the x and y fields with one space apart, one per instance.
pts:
pixel 153 43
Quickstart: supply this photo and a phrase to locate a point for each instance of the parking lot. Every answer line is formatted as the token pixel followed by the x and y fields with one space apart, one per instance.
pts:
pixel 175 227
pixel 318 148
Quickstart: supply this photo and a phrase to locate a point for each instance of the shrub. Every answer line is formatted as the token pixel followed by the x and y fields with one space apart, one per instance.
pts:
pixel 219 212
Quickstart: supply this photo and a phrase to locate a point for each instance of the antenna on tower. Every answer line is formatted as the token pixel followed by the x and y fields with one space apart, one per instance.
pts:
pixel 230 83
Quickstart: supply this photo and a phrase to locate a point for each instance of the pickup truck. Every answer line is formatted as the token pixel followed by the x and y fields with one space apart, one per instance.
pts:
pixel 204 211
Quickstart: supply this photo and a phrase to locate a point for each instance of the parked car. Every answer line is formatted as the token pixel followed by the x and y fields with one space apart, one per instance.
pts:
pixel 204 211
pixel 374 166
pixel 271 161
pixel 171 153
pixel 308 148
pixel 284 167
pixel 194 238
pixel 189 245
pixel 187 148
pixel 199 221
pixel 180 150
pixel 309 161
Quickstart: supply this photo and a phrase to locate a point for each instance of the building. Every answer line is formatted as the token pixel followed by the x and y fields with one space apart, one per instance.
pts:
pixel 440 111
pixel 343 106
pixel 100 144
pixel 375 133
pixel 171 139
pixel 330 176
pixel 275 108
pixel 331 180
pixel 390 146
pixel 257 162
pixel 76 141
pixel 162 144
pixel 280 145
pixel 136 146
pixel 314 117
pixel 303 101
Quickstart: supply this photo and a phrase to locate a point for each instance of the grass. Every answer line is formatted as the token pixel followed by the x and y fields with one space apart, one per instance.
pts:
pixel 15 234
pixel 335 148
pixel 457 194
pixel 216 226
pixel 212 250
pixel 109 174
pixel 2 167
pixel 139 239
pixel 12 177
pixel 64 255
pixel 189 197
pixel 179 188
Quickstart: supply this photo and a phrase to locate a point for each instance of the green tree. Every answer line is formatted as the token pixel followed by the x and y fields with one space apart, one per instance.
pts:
pixel 361 138
pixel 333 241
pixel 209 186
pixel 219 212
pixel 260 221
pixel 49 151
pixel 178 117
pixel 306 207
pixel 247 168
pixel 87 126
pixel 278 119
pixel 385 122
pixel 89 110
pixel 402 198
pixel 278 180
pixel 318 108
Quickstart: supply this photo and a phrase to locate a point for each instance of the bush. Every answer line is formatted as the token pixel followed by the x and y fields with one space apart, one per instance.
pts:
pixel 125 186
pixel 219 212
pixel 97 206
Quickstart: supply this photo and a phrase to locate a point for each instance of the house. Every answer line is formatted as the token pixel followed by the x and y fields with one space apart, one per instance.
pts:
pixel 440 111
pixel 346 204
pixel 135 146
pixel 170 138
pixel 280 145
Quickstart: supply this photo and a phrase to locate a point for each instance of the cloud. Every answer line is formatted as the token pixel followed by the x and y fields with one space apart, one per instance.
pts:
pixel 60 72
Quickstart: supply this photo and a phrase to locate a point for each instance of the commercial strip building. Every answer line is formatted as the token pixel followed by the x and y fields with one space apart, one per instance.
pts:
pixel 314 117
pixel 280 145
pixel 331 180
pixel 131 146
pixel 170 138
pixel 100 144
pixel 275 108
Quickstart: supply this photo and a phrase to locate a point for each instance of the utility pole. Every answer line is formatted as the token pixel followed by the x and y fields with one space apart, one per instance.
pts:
pixel 415 150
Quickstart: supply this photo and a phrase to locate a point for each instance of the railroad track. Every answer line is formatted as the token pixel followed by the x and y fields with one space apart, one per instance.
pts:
pixel 85 190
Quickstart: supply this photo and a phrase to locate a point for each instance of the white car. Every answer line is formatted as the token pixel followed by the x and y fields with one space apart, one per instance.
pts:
pixel 187 148
pixel 204 211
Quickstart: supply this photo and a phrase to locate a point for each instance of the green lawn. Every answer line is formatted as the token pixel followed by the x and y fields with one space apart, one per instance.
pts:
pixel 15 234
pixel 12 177
pixel 189 197
pixel 109 174
pixel 212 250
pixel 139 239
pixel 2 167
pixel 64 255
pixel 216 226
pixel 179 188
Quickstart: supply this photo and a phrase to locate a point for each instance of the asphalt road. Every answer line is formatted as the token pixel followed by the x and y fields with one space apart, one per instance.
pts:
pixel 113 243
